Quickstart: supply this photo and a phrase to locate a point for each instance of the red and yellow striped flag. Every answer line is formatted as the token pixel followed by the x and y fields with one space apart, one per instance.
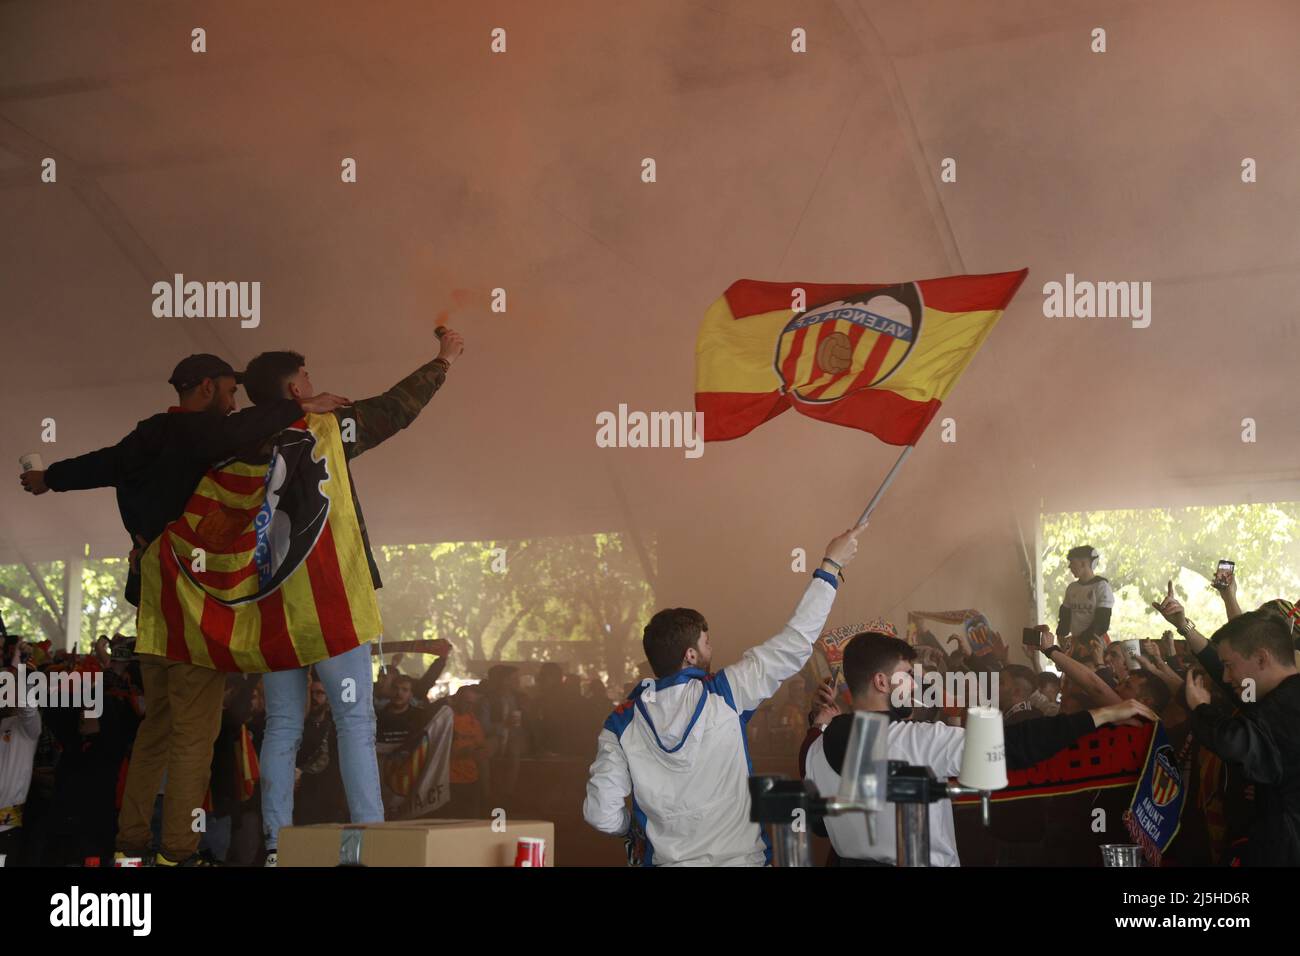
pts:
pixel 881 358
pixel 280 578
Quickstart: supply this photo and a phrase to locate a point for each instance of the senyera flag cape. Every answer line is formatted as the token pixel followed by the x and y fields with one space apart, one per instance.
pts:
pixel 881 358
pixel 282 579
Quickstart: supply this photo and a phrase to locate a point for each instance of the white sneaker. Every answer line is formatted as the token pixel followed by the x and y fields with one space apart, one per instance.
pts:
pixel 272 858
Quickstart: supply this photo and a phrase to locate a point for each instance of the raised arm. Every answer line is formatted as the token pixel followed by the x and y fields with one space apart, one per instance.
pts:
pixel 380 418
pixel 425 684
pixel 762 669
pixel 1238 740
pixel 1229 594
pixel 1031 741
pixel 1092 685
pixel 1171 609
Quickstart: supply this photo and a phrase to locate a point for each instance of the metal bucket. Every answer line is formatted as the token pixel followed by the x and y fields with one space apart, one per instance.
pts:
pixel 1122 854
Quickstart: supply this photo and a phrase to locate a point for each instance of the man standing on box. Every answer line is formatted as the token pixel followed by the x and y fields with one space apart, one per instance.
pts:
pixel 154 470
pixel 342 660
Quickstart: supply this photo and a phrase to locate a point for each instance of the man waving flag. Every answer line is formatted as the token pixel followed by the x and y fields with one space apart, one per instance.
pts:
pixel 881 358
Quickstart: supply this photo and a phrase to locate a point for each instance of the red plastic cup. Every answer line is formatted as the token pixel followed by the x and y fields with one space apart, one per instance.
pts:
pixel 530 851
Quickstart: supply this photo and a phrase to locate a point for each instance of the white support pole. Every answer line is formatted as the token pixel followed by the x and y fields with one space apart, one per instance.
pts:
pixel 72 601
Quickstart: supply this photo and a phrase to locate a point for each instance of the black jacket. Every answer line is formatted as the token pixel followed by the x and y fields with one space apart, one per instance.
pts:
pixel 156 468
pixel 1264 740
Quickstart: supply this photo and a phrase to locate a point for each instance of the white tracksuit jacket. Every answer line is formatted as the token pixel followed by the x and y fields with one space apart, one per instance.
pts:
pixel 679 750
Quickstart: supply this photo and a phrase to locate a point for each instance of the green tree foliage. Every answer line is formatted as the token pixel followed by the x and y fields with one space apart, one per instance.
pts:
pixel 485 597
pixel 32 600
pixel 1141 550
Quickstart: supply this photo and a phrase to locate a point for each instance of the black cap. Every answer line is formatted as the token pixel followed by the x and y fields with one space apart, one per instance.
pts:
pixel 193 370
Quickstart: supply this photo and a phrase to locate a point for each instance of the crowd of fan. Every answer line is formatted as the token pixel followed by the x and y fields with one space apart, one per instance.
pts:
pixel 62 772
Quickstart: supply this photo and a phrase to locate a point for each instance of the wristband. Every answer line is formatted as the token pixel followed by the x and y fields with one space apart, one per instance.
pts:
pixel 839 568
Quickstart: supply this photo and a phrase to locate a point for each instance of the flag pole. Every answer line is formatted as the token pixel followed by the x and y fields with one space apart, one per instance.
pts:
pixel 875 499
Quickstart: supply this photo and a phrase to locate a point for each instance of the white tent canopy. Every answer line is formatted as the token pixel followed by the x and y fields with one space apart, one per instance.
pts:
pixel 522 171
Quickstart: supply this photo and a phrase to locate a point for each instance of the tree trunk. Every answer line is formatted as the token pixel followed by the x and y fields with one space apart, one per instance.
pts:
pixel 509 631
pixel 55 609
pixel 48 624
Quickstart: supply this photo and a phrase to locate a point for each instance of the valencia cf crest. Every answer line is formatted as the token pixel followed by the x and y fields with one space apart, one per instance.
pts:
pixel 846 345
pixel 1166 781
pixel 287 523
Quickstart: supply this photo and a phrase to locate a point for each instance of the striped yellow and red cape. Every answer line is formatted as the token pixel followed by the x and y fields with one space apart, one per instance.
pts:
pixel 881 358
pixel 266 570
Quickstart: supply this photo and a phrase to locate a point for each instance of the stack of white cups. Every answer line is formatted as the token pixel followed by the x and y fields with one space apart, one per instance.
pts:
pixel 984 757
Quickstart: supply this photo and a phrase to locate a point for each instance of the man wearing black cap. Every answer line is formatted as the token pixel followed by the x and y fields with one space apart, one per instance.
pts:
pixel 155 469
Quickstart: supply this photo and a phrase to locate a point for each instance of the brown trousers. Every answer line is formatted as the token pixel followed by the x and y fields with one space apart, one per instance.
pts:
pixel 182 717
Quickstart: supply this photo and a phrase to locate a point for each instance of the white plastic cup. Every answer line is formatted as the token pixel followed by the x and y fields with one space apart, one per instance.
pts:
pixel 984 756
pixel 31 462
pixel 1133 648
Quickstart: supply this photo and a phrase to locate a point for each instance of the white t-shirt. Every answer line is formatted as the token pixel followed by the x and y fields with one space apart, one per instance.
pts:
pixel 18 737
pixel 1082 601
pixel 936 746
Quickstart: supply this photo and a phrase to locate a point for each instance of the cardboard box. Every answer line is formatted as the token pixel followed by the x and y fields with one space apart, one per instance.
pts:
pixel 412 843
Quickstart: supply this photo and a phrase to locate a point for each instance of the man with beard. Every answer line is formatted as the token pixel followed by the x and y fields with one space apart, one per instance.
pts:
pixel 154 470
pixel 320 786
pixel 878 670
pixel 677 745
pixel 274 377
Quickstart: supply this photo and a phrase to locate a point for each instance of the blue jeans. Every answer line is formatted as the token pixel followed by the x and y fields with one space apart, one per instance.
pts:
pixel 354 720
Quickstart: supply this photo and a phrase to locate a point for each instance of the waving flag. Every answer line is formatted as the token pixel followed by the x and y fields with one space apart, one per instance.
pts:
pixel 881 358
pixel 266 569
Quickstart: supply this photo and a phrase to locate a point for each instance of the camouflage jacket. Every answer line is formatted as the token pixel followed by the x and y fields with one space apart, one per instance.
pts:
pixel 370 422
pixel 377 419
